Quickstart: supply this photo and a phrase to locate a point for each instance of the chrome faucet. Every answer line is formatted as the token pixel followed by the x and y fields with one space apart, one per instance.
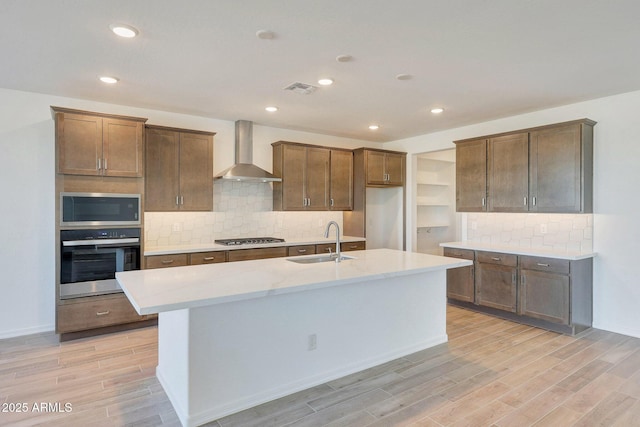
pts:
pixel 326 235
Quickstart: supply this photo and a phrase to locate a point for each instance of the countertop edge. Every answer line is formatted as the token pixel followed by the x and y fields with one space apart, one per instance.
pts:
pixel 545 253
pixel 437 263
pixel 214 247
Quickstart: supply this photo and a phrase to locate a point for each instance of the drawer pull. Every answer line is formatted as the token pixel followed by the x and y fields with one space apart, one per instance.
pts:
pixel 208 258
pixel 302 251
pixel 540 264
pixel 353 247
pixel 496 258
pixel 167 261
pixel 103 313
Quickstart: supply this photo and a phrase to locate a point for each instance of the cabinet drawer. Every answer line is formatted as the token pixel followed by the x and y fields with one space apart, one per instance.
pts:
pixel 325 248
pixel 459 253
pixel 552 265
pixel 261 253
pixel 352 246
pixel 96 312
pixel 509 260
pixel 207 257
pixel 161 261
pixel 302 250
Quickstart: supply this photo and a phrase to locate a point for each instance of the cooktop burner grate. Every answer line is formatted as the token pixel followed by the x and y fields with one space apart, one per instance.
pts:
pixel 249 241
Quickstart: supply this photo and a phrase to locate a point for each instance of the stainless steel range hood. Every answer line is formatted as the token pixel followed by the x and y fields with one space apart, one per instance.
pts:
pixel 244 169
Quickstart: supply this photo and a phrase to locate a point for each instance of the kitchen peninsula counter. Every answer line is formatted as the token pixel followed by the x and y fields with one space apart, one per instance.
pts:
pixel 210 247
pixel 234 335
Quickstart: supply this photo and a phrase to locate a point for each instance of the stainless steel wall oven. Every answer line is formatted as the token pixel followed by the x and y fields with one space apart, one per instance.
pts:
pixel 90 258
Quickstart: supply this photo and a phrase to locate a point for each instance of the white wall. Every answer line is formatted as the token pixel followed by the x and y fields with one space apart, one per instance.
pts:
pixel 27 169
pixel 616 227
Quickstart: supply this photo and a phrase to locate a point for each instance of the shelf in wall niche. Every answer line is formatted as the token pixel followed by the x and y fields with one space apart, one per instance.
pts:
pixel 436 184
pixel 420 227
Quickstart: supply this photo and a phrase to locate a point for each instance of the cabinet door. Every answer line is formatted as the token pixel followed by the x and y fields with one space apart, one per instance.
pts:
pixel 471 176
pixel 496 286
pixel 317 178
pixel 341 197
pixel 162 182
pixel 294 160
pixel 508 173
pixel 164 261
pixel 196 172
pixel 122 147
pixel 460 281
pixel 376 174
pixel 394 168
pixel 79 144
pixel 555 170
pixel 544 296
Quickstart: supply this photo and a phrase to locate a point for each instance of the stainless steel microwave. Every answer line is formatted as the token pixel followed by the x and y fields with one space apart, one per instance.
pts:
pixel 100 209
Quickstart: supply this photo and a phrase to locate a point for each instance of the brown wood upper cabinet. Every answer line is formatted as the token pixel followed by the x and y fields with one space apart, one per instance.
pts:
pixel 98 144
pixel 544 169
pixel 179 170
pixel 313 177
pixel 384 168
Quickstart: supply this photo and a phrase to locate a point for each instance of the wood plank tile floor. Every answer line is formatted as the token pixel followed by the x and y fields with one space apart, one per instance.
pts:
pixel 492 372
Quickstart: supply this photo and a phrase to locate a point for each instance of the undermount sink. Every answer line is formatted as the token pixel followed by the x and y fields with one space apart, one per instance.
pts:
pixel 312 259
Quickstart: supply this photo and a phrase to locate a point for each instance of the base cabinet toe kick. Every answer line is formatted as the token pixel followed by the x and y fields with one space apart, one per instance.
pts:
pixel 550 293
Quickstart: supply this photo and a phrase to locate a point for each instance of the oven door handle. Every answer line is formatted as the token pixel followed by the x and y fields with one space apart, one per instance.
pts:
pixel 99 242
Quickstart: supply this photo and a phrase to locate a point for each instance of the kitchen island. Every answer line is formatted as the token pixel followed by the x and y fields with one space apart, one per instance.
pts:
pixel 234 335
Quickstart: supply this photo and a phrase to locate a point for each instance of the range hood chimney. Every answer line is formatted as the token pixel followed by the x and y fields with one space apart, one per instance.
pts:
pixel 244 169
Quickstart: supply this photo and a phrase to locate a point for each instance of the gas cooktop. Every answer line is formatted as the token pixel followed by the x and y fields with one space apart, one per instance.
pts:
pixel 249 241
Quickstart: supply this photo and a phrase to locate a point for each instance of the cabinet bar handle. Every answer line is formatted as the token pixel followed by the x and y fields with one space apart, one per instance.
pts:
pixel 105 164
pixel 524 201
pixel 99 164
pixel 331 201
pixel 208 258
pixel 540 264
pixel 483 201
pixel 177 200
pixel 167 261
pixel 103 313
pixel 301 251
pixel 182 200
pixel 513 278
pixel 495 258
pixel 534 200
pixel 353 247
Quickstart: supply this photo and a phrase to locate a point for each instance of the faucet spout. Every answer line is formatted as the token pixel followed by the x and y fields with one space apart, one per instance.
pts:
pixel 326 235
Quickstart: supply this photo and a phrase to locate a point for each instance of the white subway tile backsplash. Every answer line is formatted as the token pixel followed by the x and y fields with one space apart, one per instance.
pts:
pixel 240 210
pixel 544 231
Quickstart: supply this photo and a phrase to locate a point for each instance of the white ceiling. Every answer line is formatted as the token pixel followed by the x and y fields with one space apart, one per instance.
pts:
pixel 479 59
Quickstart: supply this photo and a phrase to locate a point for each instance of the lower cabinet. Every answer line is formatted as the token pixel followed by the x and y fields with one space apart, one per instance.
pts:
pixel 552 293
pixel 496 280
pixel 86 313
pixel 325 248
pixel 260 253
pixel 162 261
pixel 301 250
pixel 544 289
pixel 213 257
pixel 460 281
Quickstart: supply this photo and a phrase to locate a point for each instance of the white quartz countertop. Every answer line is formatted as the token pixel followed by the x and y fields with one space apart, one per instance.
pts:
pixel 208 247
pixel 176 288
pixel 547 253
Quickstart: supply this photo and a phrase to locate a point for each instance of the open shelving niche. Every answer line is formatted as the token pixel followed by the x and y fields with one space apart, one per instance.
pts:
pixel 435 200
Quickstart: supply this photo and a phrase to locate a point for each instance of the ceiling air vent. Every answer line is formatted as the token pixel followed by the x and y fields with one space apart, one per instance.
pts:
pixel 301 88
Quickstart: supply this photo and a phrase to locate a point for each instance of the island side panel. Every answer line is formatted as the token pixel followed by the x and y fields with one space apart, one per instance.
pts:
pixel 249 352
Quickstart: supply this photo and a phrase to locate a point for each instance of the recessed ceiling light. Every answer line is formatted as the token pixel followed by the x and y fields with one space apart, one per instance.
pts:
pixel 109 80
pixel 265 34
pixel 344 58
pixel 124 30
pixel 404 77
pixel 437 110
pixel 374 127
pixel 325 82
pixel 271 109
